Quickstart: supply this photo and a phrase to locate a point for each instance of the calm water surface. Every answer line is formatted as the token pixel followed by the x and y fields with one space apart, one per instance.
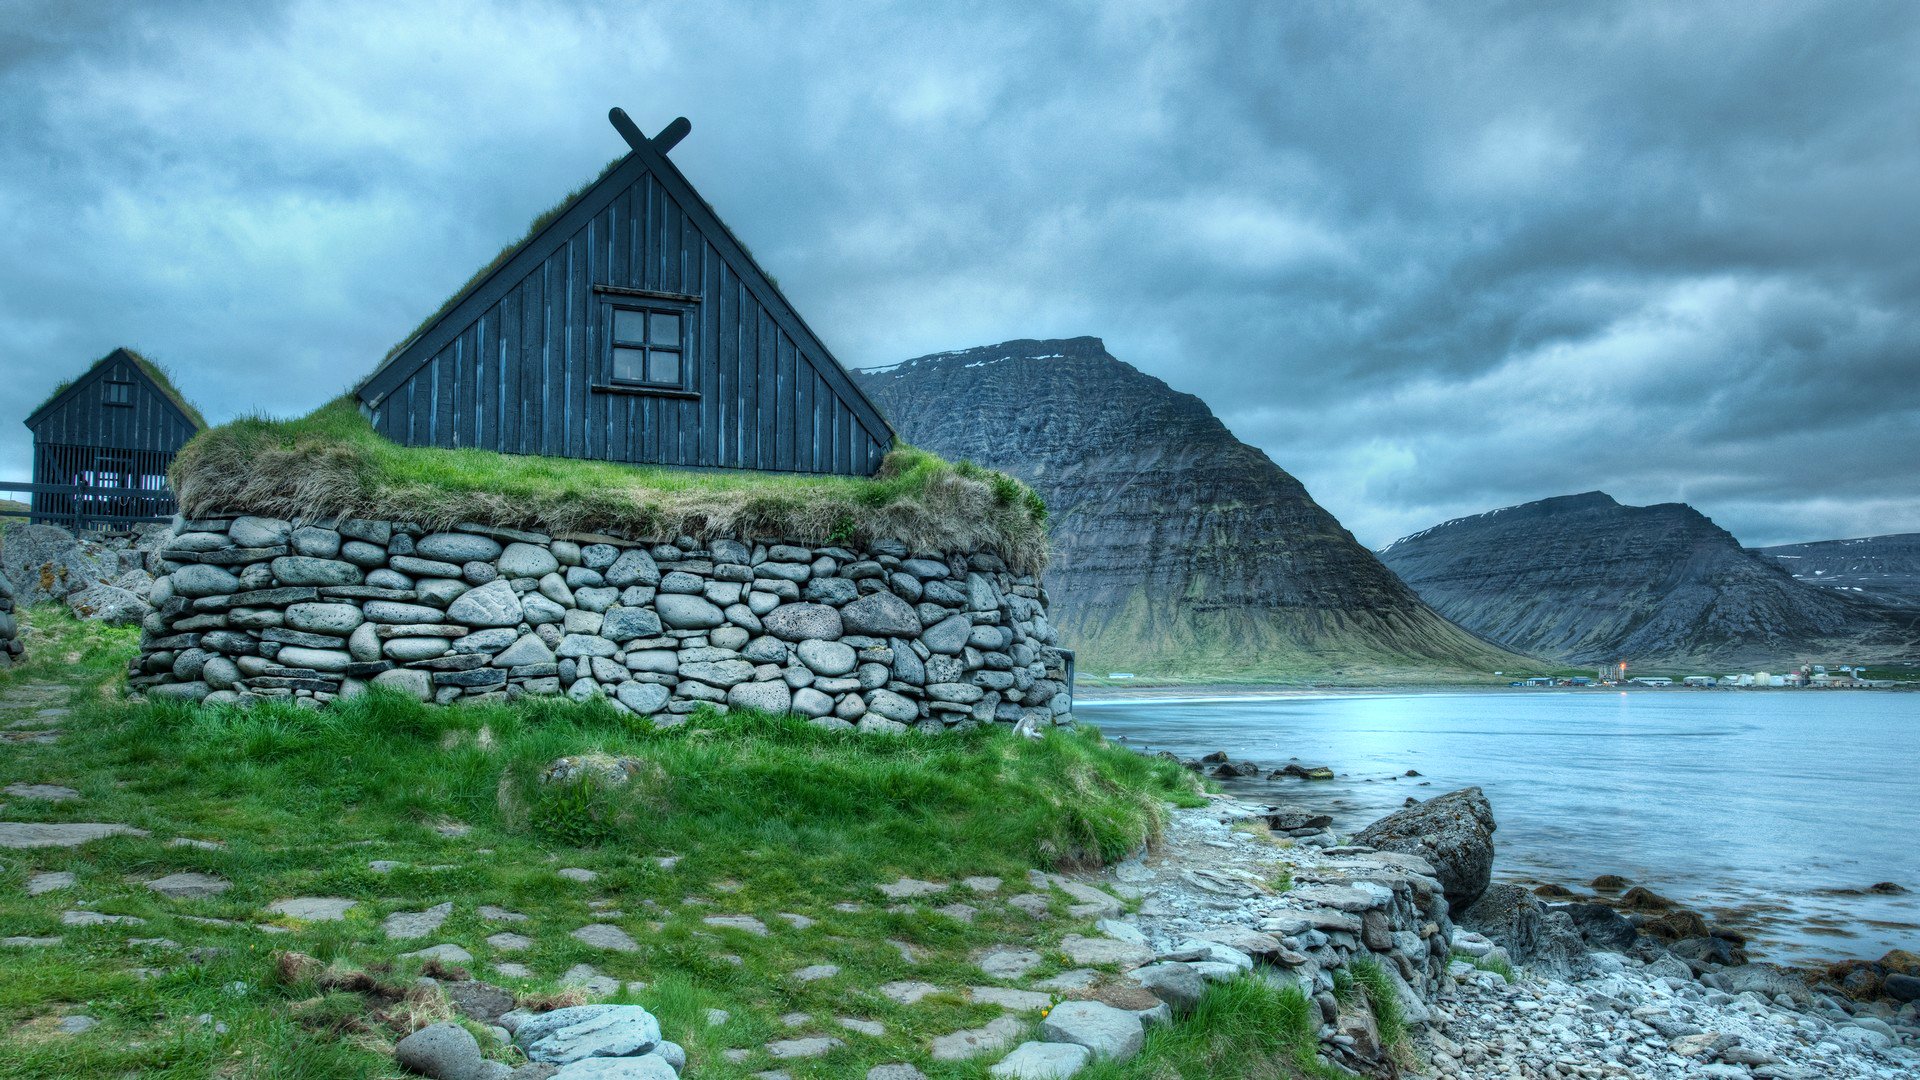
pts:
pixel 1769 808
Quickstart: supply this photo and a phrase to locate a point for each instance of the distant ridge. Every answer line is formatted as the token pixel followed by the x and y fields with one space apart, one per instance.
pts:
pixel 1179 549
pixel 1586 579
pixel 1885 569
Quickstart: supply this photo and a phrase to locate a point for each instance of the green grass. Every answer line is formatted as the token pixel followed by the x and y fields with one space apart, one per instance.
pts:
pixel 766 815
pixel 1372 982
pixel 332 463
pixel 1491 963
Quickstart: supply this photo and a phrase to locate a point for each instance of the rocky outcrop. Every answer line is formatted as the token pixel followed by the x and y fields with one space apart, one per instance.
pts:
pixel 1178 548
pixel 1884 569
pixel 1453 832
pixel 250 608
pixel 1585 579
pixel 99 577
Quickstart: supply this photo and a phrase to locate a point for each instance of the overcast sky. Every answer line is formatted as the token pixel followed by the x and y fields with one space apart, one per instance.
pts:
pixel 1433 259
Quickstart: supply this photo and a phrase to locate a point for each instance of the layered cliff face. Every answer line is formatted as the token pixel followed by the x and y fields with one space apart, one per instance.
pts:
pixel 1884 569
pixel 1583 578
pixel 1178 549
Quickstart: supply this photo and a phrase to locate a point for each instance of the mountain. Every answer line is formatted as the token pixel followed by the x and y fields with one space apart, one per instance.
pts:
pixel 1884 569
pixel 1178 549
pixel 1585 579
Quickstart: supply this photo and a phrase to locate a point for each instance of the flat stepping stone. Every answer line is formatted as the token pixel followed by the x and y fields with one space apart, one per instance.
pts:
pixel 737 922
pixel 1110 1034
pixel 42 792
pixel 811 1047
pixel 865 1027
pixel 899 1071
pixel 1016 1000
pixel 816 972
pixel 1009 963
pixel 39 834
pixel 446 954
pixel 510 942
pixel 1086 951
pixel 384 866
pixel 588 978
pixel 453 830
pixel 28 942
pixel 907 991
pixel 407 925
pixel 51 881
pixel 75 1025
pixel 94 918
pixel 717 1017
pixel 576 873
pixel 795 1019
pixel 975 1042
pixel 907 952
pixel 1077 979
pixel 1038 905
pixel 154 942
pixel 849 907
pixel 1042 1061
pixel 203 845
pixel 499 914
pixel 907 888
pixel 958 912
pixel 514 971
pixel 314 908
pixel 189 886
pixel 606 936
pixel 982 884
pixel 798 922
pixel 599 1033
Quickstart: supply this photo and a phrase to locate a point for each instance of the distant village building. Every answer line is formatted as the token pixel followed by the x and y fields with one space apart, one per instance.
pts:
pixel 631 326
pixel 103 442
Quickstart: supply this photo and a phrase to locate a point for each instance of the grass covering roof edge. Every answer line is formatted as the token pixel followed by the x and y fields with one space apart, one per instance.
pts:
pixel 162 380
pixel 332 463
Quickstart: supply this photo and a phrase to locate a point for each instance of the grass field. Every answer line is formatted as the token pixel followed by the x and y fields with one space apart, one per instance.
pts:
pixel 737 815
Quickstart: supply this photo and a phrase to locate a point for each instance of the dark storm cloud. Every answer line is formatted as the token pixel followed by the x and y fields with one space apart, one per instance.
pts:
pixel 1432 258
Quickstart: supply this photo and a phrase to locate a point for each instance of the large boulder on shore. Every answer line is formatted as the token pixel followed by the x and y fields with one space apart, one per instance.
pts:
pixel 1531 932
pixel 1454 832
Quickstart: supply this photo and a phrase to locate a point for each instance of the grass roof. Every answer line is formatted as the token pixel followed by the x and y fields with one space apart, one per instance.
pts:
pixel 333 464
pixel 162 378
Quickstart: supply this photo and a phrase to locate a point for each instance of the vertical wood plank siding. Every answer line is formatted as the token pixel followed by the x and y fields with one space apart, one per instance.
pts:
pixel 123 451
pixel 520 378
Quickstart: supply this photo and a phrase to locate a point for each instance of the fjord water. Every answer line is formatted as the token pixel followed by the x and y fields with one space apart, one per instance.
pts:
pixel 1774 809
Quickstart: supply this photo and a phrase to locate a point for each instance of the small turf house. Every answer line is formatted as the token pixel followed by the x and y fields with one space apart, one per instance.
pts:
pixel 103 442
pixel 629 326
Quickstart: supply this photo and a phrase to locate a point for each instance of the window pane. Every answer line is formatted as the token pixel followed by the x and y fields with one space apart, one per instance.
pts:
pixel 666 329
pixel 629 325
pixel 663 367
pixel 629 365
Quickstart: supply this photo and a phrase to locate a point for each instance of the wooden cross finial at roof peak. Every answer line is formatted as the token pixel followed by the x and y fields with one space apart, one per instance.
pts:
pixel 668 138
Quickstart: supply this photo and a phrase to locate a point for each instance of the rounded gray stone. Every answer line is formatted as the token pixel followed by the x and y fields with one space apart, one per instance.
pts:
pixel 444 1051
pixel 633 567
pixel 259 531
pixel 800 622
pixel 829 658
pixel 336 619
pixel 880 614
pixel 1042 1061
pixel 588 1031
pixel 492 604
pixel 682 612
pixel 457 547
pixel 811 703
pixel 414 648
pixel 948 636
pixel 626 623
pixel 301 570
pixel 773 697
pixel 417 684
pixel 198 580
pixel 295 656
pixel 892 706
pixel 643 698
pixel 1108 1033
pixel 527 560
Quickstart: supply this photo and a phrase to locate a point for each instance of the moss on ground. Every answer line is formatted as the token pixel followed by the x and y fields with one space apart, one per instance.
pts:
pixel 765 816
pixel 332 463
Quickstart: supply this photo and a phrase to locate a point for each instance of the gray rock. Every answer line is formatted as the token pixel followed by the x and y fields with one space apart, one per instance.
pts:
pixel 395 612
pixel 314 541
pixel 880 725
pixel 949 635
pixel 1042 1061
pixel 628 623
pixel 645 699
pixel 445 1051
pixel 653 1066
pixel 683 612
pixel 801 622
pixel 416 684
pixel 408 925
pixel 1524 927
pixel 575 646
pixel 188 885
pixel 457 547
pixel 773 697
pixel 633 567
pixel 528 649
pixel 830 590
pixel 811 703
pixel 526 560
pixel 1108 1033
pixel 198 580
pixel 1177 984
pixel 259 531
pixel 606 936
pixel 892 706
pixel 338 620
pixel 321 659
pixel 721 673
pixel 588 1031
pixel 301 570
pixel 445 954
pixel 960 1045
pixel 925 569
pixel 1453 832
pixel 492 604
pixel 541 611
pixel 881 614
pixel 314 908
pixel 813 1047
pixel 105 603
pixel 828 658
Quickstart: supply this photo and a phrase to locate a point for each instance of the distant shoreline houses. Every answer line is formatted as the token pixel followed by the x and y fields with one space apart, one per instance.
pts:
pixel 1808 676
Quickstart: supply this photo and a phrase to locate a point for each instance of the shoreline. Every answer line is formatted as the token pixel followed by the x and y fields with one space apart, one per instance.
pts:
pixel 1108 694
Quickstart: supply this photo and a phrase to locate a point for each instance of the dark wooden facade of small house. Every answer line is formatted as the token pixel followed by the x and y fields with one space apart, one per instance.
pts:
pixel 631 327
pixel 103 443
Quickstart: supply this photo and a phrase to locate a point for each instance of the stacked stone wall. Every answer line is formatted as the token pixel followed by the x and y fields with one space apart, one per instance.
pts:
pixel 9 627
pixel 248 608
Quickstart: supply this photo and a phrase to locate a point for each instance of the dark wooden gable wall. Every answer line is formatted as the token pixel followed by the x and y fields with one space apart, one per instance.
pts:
pixel 81 415
pixel 521 363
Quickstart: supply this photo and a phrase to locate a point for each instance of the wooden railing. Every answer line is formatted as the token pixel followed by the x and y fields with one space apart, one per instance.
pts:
pixel 80 507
